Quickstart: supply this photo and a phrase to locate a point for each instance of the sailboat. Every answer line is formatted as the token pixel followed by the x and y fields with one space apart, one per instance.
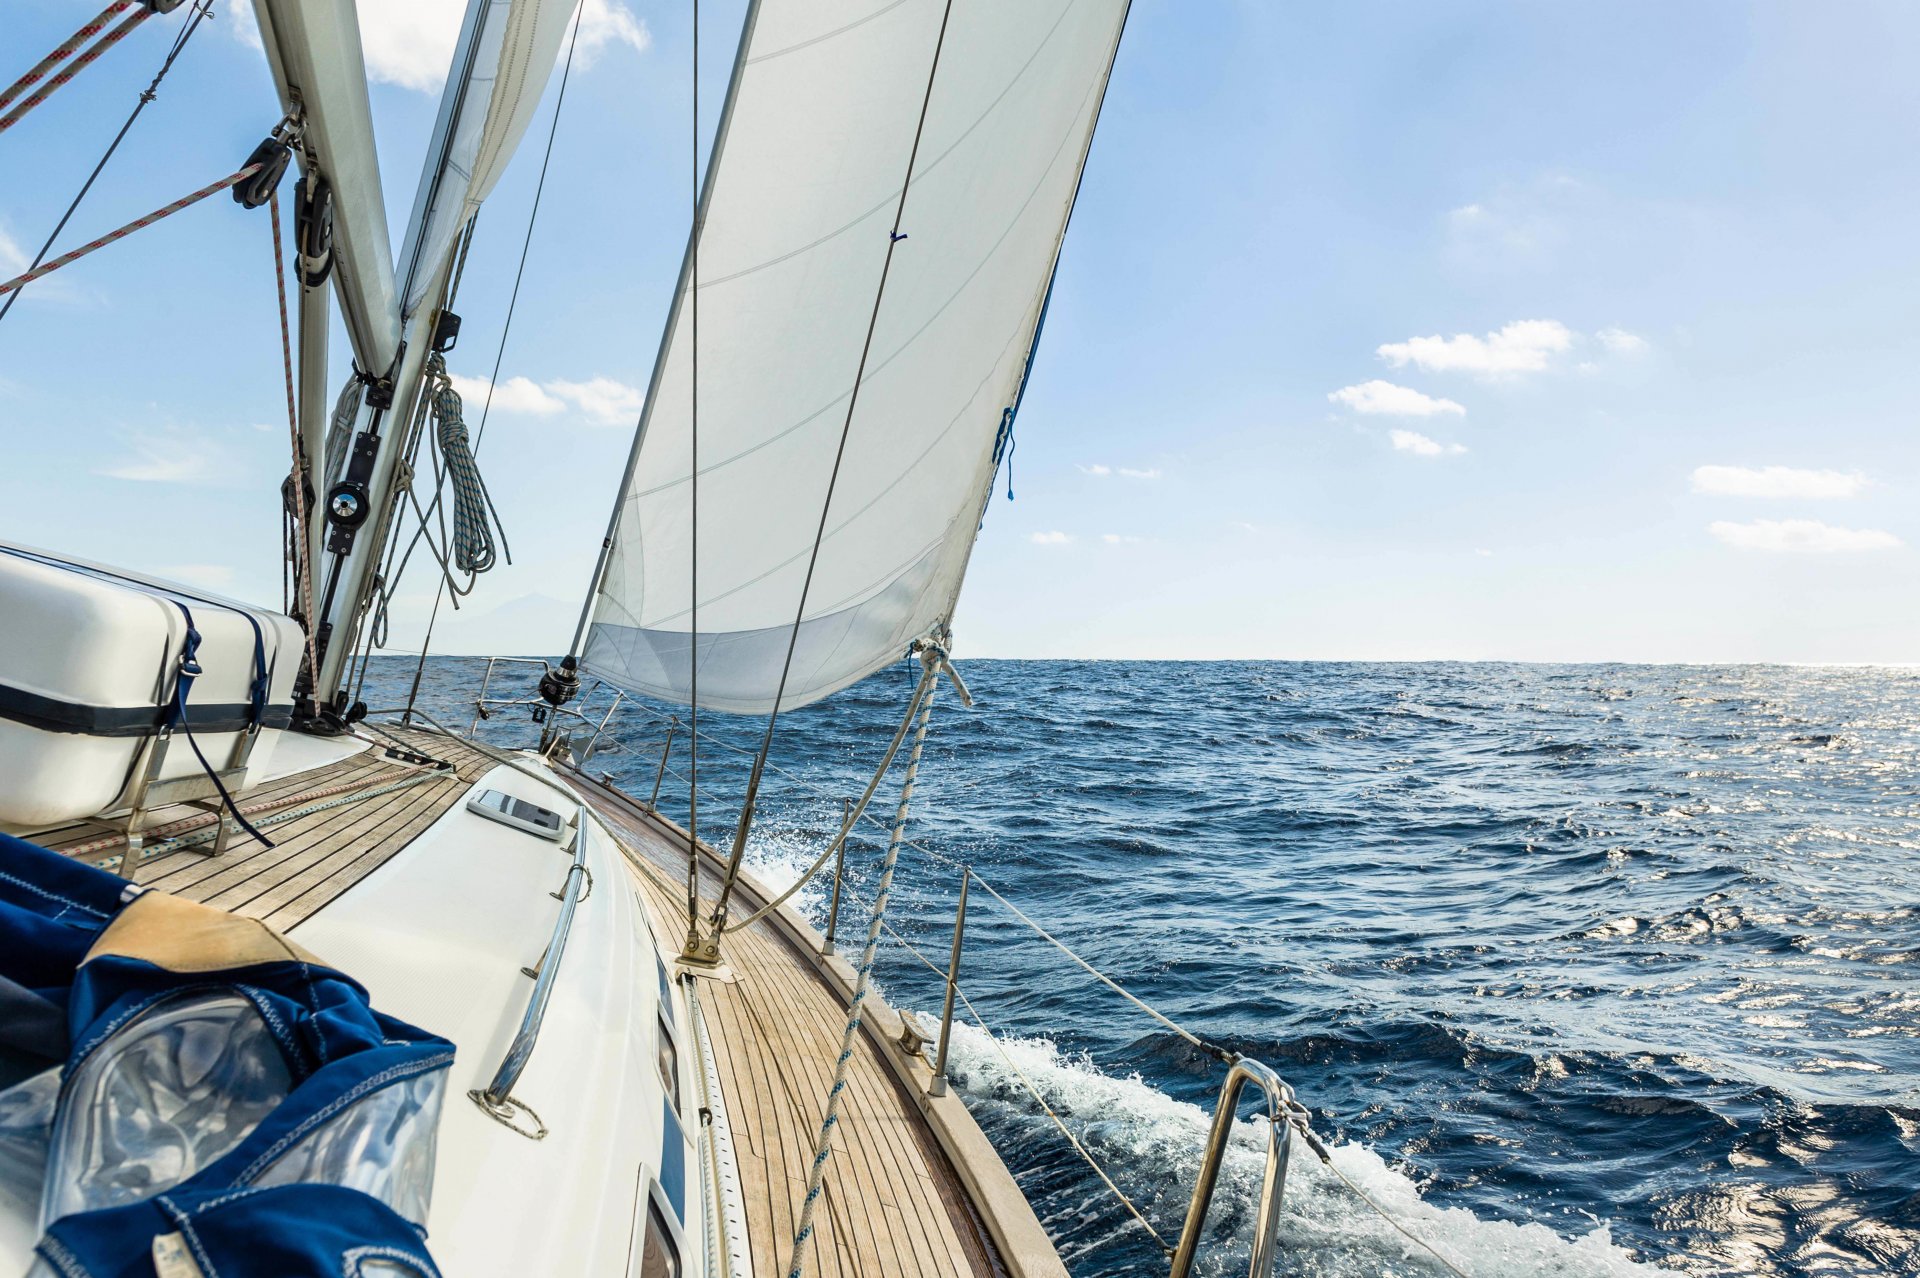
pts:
pixel 291 986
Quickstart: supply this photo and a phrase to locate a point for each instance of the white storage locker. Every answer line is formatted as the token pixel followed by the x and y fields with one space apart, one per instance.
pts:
pixel 89 656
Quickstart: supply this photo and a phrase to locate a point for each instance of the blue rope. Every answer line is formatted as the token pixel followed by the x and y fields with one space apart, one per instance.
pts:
pixel 1003 440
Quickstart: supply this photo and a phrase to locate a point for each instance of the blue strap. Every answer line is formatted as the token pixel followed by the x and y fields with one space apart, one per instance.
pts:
pixel 262 674
pixel 177 718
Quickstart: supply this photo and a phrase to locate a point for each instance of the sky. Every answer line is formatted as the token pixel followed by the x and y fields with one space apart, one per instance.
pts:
pixel 1487 329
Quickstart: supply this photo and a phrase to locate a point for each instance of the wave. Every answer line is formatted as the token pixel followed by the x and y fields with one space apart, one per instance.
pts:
pixel 1151 1143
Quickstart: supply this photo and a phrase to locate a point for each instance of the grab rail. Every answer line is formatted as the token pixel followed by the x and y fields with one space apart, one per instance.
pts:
pixel 1273 1182
pixel 497 1098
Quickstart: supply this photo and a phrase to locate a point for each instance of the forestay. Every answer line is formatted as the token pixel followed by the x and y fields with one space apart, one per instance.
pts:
pixel 804 187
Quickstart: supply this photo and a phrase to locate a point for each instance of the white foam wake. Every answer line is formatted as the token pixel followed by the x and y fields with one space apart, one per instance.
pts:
pixel 1151 1144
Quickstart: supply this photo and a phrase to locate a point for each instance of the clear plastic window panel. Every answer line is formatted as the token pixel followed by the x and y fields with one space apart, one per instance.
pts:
pixel 382 1145
pixel 163 1097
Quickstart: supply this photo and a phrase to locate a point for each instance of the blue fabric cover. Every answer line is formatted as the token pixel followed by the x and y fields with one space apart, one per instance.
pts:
pixel 337 1048
pixel 294 1231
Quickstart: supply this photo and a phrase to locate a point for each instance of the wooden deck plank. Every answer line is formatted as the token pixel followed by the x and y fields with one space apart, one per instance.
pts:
pixel 316 856
pixel 887 1207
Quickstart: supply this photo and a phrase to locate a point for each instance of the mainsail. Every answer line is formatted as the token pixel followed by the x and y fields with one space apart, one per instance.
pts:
pixel 814 146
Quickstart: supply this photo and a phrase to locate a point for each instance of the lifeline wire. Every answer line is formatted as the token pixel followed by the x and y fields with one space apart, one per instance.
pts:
pixel 1040 1100
pixel 894 237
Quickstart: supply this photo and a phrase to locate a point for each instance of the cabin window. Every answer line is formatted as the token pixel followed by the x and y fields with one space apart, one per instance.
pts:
pixel 666 989
pixel 660 1248
pixel 673 1161
pixel 669 1061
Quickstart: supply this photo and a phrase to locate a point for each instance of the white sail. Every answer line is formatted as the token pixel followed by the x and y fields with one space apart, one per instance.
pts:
pixel 821 123
pixel 493 96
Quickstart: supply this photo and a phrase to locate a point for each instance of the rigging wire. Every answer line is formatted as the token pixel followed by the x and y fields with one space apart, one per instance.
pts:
pixel 201 10
pixel 930 669
pixel 894 236
pixel 693 533
pixel 500 351
pixel 297 484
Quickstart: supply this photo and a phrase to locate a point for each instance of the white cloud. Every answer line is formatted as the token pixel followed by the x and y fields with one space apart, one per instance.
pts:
pixel 515 395
pixel 169 457
pixel 1050 538
pixel 1619 341
pixel 603 23
pixel 1517 226
pixel 1777 481
pixel 212 576
pixel 1384 399
pixel 410 44
pixel 604 401
pixel 1412 441
pixel 1125 472
pixel 1121 539
pixel 1801 536
pixel 1524 346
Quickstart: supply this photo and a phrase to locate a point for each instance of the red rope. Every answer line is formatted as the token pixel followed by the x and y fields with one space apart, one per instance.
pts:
pixel 48 268
pixel 299 481
pixel 79 64
pixel 60 54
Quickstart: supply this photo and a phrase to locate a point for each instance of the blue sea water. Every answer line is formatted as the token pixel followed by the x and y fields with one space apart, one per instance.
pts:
pixel 1581 969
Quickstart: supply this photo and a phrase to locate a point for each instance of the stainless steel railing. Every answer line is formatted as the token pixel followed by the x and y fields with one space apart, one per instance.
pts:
pixel 485 706
pixel 497 1097
pixel 1273 1182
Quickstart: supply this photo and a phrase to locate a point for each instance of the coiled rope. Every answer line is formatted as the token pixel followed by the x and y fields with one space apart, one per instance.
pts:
pixel 473 515
pixel 823 1144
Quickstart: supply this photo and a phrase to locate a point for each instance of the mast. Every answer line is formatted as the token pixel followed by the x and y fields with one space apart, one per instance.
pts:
pixel 502 61
pixel 313 50
pixel 350 576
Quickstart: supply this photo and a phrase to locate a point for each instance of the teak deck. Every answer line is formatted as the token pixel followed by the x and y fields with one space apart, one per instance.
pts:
pixel 891 1203
pixel 315 857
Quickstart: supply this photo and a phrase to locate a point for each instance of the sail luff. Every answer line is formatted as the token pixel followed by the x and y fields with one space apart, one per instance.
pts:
pixel 795 239
pixel 680 293
pixel 1033 340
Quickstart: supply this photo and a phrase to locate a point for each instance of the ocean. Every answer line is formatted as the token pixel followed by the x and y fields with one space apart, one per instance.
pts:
pixel 1581 970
